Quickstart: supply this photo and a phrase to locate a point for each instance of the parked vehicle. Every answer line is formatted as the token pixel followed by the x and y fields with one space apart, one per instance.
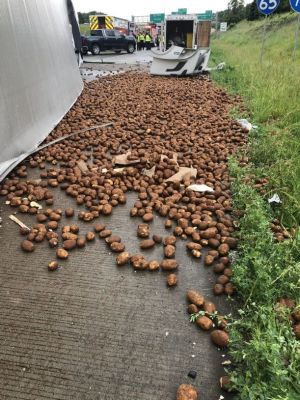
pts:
pixel 109 39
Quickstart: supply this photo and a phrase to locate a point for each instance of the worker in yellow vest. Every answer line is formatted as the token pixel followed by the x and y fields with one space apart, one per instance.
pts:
pixel 148 40
pixel 141 41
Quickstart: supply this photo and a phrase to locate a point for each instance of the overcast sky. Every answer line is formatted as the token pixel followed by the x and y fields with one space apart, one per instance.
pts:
pixel 127 8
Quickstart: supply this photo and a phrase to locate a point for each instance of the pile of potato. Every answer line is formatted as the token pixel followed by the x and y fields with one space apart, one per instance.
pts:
pixel 162 124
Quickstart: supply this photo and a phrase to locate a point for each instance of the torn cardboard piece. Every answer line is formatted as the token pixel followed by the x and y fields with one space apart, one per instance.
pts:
pixel 183 174
pixel 149 172
pixel 123 159
pixel 82 166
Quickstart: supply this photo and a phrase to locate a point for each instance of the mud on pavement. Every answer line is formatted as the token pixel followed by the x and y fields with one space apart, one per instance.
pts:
pixel 92 329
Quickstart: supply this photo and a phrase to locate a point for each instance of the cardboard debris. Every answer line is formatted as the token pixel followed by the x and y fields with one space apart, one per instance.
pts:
pixel 123 159
pixel 82 166
pixel 17 221
pixel 149 172
pixel 200 188
pixel 183 174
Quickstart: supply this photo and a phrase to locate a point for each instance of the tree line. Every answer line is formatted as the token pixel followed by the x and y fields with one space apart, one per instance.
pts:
pixel 237 11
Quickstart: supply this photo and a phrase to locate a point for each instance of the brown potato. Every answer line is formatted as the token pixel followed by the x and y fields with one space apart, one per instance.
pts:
pixel 69 244
pixel 223 249
pixel 81 242
pixel 157 239
pixel 117 247
pixel 218 289
pixel 172 280
pixel 143 231
pixel 220 338
pixel 147 244
pixel 62 254
pixel 169 251
pixel 69 212
pixel 113 238
pixel 209 307
pixel 52 266
pixel 170 240
pixel 169 265
pixel 105 233
pixel 123 259
pixel 204 323
pixel 209 260
pixel 195 298
pixel 107 209
pixel 90 236
pixel 192 309
pixel 154 265
pixel 27 246
pixel 193 246
pixel 99 227
pixel 148 217
pixel 186 392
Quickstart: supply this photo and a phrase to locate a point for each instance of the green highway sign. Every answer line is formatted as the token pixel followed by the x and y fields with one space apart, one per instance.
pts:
pixel 182 11
pixel 207 16
pixel 157 18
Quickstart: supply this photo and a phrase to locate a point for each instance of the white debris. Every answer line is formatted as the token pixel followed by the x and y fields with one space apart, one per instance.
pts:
pixel 245 124
pixel 275 199
pixel 35 204
pixel 200 188
pixel 193 356
pixel 167 334
pixel 227 362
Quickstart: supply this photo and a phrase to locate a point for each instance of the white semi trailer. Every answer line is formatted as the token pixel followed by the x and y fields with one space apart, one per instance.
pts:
pixel 184 46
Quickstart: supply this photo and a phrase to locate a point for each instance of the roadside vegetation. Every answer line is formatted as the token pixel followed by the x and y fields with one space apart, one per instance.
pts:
pixel 264 348
pixel 85 29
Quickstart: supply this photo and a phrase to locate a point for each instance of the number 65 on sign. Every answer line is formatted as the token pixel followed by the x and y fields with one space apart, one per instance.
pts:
pixel 267 7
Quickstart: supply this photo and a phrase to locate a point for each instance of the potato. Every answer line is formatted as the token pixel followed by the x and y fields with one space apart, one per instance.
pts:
pixel 172 280
pixel 193 246
pixel 209 233
pixel 107 209
pixel 219 268
pixel 69 244
pixel 62 254
pixel 154 265
pixel 204 323
pixel 143 231
pixel 209 307
pixel 148 217
pixel 138 262
pixel 169 265
pixel 27 246
pixel 223 249
pixel 218 289
pixel 196 253
pixel 147 244
pixel 220 338
pixel 296 315
pixel 105 233
pixel 157 239
pixel 81 242
pixel 123 258
pixel 69 236
pixel 229 289
pixel 99 227
pixel 52 266
pixel 69 212
pixel 192 309
pixel 186 392
pixel 195 298
pixel 209 260
pixel 113 238
pixel 169 251
pixel 170 240
pixel 90 236
pixel 223 279
pixel 296 329
pixel 117 247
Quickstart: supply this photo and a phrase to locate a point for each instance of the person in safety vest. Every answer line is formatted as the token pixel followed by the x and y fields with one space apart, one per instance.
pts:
pixel 148 40
pixel 142 41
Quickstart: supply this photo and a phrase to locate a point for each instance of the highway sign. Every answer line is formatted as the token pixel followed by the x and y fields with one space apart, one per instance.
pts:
pixel 182 11
pixel 295 4
pixel 157 18
pixel 223 27
pixel 267 7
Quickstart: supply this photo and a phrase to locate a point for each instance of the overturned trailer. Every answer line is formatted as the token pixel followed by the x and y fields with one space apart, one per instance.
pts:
pixel 184 48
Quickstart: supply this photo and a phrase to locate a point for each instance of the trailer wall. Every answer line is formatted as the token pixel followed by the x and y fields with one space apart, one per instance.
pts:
pixel 40 78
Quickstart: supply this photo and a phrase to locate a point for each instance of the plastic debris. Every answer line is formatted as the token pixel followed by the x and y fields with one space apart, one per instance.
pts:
pixel 192 374
pixel 200 188
pixel 275 200
pixel 245 124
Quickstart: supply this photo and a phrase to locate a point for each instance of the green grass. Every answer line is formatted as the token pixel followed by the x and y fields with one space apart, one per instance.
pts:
pixel 264 349
pixel 85 29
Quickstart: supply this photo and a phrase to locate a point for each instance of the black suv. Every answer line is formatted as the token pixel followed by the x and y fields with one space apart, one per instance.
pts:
pixel 107 39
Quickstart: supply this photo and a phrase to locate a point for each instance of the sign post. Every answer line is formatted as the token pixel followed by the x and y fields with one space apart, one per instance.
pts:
pixel 266 7
pixel 295 4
